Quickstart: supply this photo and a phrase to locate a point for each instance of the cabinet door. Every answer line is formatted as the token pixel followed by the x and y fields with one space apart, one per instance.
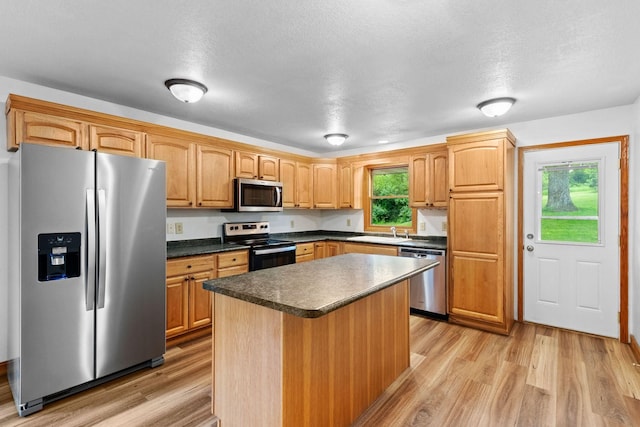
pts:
pixel 418 176
pixel 177 305
pixel 116 141
pixel 45 129
pixel 246 165
pixel 477 166
pixel 179 156
pixel 438 179
pixel 319 250
pixel 333 249
pixel 345 182
pixel 304 185
pixel 199 300
pixel 214 177
pixel 476 274
pixel 288 179
pixel 269 168
pixel 325 186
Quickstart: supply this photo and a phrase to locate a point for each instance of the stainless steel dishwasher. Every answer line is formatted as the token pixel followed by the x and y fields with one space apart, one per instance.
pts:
pixel 428 294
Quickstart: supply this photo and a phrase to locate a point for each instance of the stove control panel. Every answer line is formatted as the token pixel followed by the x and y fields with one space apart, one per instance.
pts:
pixel 247 229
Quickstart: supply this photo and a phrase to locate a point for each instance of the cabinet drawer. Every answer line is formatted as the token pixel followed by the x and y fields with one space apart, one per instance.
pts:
pixel 232 259
pixel 232 271
pixel 304 248
pixel 190 265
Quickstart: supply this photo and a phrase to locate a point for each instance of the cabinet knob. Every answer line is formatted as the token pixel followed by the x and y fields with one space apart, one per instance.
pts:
pixel 190 203
pixel 233 259
pixel 262 177
pixel 188 266
pixel 199 203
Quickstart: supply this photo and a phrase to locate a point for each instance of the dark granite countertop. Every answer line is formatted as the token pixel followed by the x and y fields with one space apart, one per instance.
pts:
pixel 182 248
pixel 315 288
pixel 177 249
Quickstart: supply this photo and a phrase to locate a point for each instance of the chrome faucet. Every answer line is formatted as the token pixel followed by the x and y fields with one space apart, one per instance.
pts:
pixel 406 234
pixel 393 230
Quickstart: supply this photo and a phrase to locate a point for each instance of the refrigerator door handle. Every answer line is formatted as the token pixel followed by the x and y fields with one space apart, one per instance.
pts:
pixel 90 282
pixel 102 246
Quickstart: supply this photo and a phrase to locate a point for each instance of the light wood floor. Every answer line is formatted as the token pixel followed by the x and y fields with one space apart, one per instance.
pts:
pixel 458 377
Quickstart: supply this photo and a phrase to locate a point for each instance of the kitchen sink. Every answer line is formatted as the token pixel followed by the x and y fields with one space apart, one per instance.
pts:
pixel 378 239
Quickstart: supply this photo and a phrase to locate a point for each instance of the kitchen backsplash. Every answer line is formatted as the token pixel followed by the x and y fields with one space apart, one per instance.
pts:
pixel 186 224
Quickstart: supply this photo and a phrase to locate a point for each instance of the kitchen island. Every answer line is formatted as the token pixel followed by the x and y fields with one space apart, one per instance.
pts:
pixel 310 344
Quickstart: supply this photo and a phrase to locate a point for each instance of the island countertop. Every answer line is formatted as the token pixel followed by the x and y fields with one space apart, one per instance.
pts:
pixel 313 289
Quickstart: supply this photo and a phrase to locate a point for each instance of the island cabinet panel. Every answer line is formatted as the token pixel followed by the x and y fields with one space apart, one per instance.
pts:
pixel 114 140
pixel 321 371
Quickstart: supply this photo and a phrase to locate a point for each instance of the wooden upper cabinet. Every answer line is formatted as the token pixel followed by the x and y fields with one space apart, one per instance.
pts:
pixel 214 177
pixel 428 180
pixel 24 126
pixel 296 178
pixel 180 158
pixel 325 186
pixel 268 168
pixel 246 165
pixel 304 185
pixel 345 186
pixel 477 166
pixel 116 141
pixel 255 166
pixel 288 179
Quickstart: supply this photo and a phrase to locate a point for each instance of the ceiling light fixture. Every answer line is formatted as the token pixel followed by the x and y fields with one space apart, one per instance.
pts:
pixel 186 90
pixel 496 107
pixel 336 138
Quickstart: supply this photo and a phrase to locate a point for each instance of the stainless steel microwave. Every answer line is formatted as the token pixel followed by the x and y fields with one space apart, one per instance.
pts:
pixel 253 195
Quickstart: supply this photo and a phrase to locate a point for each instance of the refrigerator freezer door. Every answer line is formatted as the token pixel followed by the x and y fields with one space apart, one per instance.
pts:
pixel 130 325
pixel 56 328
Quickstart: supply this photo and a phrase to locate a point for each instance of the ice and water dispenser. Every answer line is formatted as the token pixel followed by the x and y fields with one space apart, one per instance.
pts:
pixel 58 256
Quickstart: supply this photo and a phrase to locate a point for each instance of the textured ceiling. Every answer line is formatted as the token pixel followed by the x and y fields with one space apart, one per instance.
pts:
pixel 291 71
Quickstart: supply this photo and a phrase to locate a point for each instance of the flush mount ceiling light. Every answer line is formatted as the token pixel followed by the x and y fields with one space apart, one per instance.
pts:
pixel 186 90
pixel 336 138
pixel 496 107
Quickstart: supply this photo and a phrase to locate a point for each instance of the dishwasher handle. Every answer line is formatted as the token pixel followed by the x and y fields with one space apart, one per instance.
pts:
pixel 420 253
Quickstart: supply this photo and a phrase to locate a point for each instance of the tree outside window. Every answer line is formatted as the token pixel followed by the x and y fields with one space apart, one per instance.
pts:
pixel 389 198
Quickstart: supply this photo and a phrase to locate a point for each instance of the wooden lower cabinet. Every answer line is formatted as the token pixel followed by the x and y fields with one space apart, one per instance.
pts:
pixel 232 263
pixel 305 252
pixel 363 248
pixel 188 305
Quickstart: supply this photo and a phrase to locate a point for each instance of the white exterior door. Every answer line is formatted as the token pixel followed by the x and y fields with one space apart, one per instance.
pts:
pixel 571 238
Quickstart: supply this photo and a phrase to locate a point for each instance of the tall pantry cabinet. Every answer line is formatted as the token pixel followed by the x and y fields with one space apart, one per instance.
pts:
pixel 481 230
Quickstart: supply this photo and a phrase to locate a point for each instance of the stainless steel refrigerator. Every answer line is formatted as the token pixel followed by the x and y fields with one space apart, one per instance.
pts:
pixel 87 270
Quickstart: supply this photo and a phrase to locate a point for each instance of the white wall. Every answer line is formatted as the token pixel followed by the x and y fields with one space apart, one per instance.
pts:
pixel 203 224
pixel 634 225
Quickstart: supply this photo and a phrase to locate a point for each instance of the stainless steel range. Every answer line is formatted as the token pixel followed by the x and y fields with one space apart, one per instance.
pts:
pixel 264 251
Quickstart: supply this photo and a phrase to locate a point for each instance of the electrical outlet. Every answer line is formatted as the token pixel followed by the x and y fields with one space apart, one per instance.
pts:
pixel 171 228
pixel 292 224
pixel 422 226
pixel 444 225
pixel 178 228
pixel 348 222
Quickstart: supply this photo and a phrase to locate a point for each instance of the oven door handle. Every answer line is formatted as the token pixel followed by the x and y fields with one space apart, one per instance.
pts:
pixel 274 250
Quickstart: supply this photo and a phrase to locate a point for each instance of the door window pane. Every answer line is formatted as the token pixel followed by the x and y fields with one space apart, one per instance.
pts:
pixel 569 202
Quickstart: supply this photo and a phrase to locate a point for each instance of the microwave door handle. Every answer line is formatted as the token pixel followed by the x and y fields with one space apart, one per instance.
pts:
pixel 278 196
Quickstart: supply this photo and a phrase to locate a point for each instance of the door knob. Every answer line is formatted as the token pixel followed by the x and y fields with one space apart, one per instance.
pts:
pixel 530 248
